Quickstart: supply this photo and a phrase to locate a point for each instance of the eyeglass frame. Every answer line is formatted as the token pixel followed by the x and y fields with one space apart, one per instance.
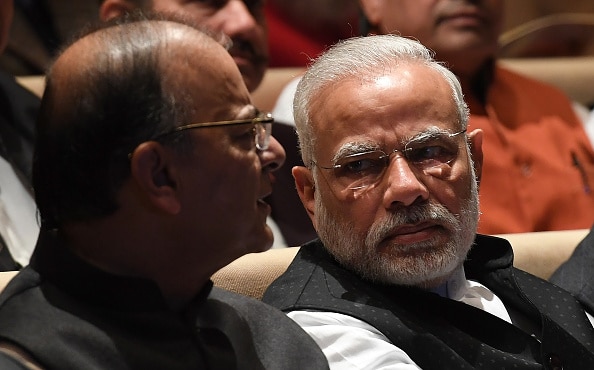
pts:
pixel 262 119
pixel 386 155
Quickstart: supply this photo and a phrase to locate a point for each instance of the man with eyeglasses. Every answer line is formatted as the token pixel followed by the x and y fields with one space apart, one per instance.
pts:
pixel 150 168
pixel 399 279
pixel 244 22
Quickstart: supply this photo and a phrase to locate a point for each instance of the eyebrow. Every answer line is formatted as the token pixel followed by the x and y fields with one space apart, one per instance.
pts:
pixel 354 147
pixel 252 112
pixel 351 148
pixel 429 134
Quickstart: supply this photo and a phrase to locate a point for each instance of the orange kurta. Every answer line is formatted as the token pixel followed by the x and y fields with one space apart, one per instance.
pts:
pixel 538 169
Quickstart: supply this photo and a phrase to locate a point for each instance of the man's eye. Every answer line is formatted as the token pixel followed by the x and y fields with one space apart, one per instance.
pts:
pixel 430 154
pixel 251 132
pixel 361 164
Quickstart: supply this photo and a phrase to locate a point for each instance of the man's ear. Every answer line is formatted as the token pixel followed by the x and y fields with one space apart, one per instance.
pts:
pixel 151 167
pixel 114 8
pixel 372 10
pixel 475 139
pixel 306 189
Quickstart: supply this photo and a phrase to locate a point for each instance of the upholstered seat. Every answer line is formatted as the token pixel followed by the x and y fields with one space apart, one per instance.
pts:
pixel 539 253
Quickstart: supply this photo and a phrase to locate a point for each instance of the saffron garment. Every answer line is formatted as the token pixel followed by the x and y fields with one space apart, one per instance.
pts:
pixel 538 167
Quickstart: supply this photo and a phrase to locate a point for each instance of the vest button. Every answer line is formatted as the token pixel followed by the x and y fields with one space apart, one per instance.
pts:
pixel 555 362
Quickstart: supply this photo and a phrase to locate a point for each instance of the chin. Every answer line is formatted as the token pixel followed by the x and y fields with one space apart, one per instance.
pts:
pixel 263 242
pixel 252 77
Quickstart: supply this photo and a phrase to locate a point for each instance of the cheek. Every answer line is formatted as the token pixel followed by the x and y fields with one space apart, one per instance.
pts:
pixel 412 18
pixel 230 173
pixel 453 192
pixel 245 174
pixel 358 213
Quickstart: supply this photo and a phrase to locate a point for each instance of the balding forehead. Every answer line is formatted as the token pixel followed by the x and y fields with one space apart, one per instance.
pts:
pixel 127 50
pixel 126 40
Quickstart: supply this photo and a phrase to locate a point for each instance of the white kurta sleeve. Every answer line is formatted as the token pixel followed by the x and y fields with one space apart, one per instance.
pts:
pixel 350 343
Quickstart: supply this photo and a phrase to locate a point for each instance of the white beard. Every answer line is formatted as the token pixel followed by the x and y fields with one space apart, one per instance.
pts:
pixel 425 265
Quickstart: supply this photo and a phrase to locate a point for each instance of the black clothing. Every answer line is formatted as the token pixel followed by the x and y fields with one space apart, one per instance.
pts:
pixel 576 275
pixel 440 333
pixel 287 210
pixel 70 315
pixel 18 112
pixel 9 363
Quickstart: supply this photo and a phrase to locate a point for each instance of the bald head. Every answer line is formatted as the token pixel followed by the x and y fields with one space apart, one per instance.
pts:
pixel 126 54
pixel 110 90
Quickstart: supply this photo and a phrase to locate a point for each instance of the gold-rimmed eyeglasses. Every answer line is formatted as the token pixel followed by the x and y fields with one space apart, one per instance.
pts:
pixel 262 128
pixel 430 152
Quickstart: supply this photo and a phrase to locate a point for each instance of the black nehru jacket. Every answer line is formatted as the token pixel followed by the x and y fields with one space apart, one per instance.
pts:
pixel 440 333
pixel 68 314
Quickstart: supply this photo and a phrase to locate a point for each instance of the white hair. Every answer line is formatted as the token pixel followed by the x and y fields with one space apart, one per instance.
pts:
pixel 361 57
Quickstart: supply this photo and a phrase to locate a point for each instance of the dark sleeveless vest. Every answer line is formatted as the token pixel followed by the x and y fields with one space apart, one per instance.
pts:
pixel 440 333
pixel 70 316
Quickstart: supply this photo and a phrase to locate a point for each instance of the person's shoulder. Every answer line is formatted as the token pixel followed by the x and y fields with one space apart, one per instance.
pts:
pixel 10 363
pixel 528 84
pixel 531 96
pixel 280 342
pixel 18 105
pixel 248 307
pixel 17 283
pixel 10 87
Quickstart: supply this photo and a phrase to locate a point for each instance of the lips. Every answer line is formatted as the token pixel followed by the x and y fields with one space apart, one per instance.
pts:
pixel 266 189
pixel 406 234
pixel 245 52
pixel 464 17
pixel 241 59
pixel 265 206
pixel 263 194
pixel 242 51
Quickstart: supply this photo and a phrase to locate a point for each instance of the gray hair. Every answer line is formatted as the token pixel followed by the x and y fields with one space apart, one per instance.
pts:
pixel 93 116
pixel 362 56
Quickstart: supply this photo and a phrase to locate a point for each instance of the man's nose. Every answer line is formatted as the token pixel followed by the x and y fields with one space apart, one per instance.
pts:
pixel 273 157
pixel 234 18
pixel 402 186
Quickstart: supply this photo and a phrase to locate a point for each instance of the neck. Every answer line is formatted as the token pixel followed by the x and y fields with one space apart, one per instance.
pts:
pixel 476 85
pixel 136 252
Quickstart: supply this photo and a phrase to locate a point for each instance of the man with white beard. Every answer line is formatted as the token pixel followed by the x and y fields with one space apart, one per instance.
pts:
pixel 390 185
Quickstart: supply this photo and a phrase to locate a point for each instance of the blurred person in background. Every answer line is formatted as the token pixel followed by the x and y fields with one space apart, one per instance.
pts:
pixel 301 30
pixel 539 164
pixel 243 21
pixel 18 111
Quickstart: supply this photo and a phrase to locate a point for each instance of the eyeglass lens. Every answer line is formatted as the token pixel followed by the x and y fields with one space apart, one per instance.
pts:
pixel 263 133
pixel 430 153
